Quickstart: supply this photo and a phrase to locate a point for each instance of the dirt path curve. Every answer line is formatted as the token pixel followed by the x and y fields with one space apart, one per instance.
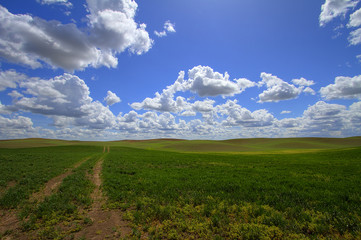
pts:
pixel 53 184
pixel 106 223
pixel 8 221
pixel 8 218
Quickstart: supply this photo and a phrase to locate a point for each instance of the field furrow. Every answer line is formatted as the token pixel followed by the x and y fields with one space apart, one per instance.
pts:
pixel 10 221
pixel 52 185
pixel 105 223
pixel 111 191
pixel 18 222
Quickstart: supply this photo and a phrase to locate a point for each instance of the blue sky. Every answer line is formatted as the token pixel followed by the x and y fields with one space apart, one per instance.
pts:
pixel 194 69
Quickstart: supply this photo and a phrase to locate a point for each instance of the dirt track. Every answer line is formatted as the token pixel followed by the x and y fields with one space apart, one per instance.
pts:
pixel 106 224
pixel 8 218
pixel 103 223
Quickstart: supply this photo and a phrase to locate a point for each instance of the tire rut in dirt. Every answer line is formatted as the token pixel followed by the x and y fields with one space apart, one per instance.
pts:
pixel 9 221
pixel 105 223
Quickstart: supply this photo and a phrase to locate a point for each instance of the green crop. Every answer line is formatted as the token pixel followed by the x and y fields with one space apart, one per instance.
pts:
pixel 63 206
pixel 257 189
pixel 177 195
pixel 30 168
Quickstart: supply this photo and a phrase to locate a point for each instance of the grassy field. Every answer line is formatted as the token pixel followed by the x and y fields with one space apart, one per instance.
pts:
pixel 305 188
pixel 178 196
pixel 257 145
pixel 25 170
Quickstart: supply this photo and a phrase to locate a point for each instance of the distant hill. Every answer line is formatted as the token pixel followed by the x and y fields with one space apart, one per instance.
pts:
pixel 249 145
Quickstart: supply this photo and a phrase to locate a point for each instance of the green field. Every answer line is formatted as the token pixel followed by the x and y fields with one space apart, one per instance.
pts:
pixel 300 188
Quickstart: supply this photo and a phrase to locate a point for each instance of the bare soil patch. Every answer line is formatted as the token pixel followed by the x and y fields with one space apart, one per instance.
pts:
pixel 9 221
pixel 105 223
pixel 51 186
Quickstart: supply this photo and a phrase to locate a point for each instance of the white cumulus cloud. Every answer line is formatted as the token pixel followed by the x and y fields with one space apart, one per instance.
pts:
pixel 354 117
pixel 116 30
pixel 64 98
pixel 32 41
pixel 277 89
pixel 303 82
pixel 344 87
pixel 335 8
pixel 305 85
pixel 111 98
pixel 16 127
pixel 206 83
pixel 239 116
pixel 324 118
pixel 355 19
pixel 309 90
pixel 111 29
pixel 203 81
pixel 165 102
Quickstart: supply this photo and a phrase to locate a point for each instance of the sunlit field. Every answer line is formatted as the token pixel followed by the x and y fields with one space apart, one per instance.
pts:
pixel 177 189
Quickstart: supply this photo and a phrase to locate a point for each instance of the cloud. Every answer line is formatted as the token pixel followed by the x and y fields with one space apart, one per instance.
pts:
pixel 277 89
pixel 323 111
pixel 63 95
pixel 96 116
pixel 355 37
pixel 4 109
pixel 305 85
pixel 323 118
pixel 354 117
pixel 111 98
pixel 9 79
pixel 228 120
pixel 16 127
pixel 19 122
pixel 285 112
pixel 288 123
pixel 239 116
pixel 165 102
pixel 65 99
pixel 33 41
pixel 168 28
pixel 358 57
pixel 188 113
pixel 202 80
pixel 355 19
pixel 114 29
pixel 303 82
pixel 309 90
pixel 203 106
pixel 344 87
pixel 206 83
pixel 61 2
pixel 335 8
pixel 149 122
